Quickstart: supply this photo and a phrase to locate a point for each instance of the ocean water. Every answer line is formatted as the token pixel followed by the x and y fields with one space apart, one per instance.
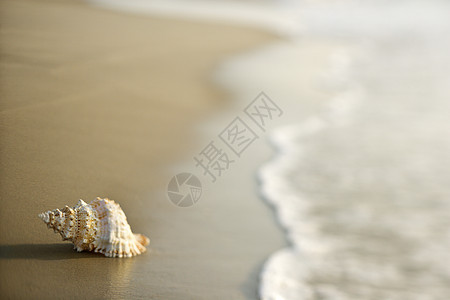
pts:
pixel 361 186
pixel 363 190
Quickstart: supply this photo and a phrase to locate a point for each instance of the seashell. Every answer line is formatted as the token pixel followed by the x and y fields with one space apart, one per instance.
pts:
pixel 100 226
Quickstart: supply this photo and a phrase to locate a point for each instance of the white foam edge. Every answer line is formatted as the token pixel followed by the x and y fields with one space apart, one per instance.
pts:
pixel 275 18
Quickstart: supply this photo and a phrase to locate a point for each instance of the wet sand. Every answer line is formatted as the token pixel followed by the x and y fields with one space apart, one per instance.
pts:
pixel 98 103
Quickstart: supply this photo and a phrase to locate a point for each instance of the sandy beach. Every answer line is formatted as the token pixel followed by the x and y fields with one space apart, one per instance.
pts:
pixel 341 193
pixel 99 103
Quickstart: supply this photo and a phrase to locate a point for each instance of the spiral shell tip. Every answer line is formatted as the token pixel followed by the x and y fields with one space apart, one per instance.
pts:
pixel 44 217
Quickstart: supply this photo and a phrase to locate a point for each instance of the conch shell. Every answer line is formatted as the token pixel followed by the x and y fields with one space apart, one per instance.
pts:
pixel 100 226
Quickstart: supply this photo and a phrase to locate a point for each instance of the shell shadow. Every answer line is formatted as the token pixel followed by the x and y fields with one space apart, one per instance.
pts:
pixel 59 251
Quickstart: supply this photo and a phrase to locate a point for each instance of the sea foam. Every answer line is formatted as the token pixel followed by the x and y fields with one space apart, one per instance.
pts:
pixel 362 188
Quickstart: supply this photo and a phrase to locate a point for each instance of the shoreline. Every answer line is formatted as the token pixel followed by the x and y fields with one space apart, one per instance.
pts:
pixel 98 118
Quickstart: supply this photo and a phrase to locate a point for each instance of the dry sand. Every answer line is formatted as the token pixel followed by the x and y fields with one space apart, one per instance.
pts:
pixel 96 103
